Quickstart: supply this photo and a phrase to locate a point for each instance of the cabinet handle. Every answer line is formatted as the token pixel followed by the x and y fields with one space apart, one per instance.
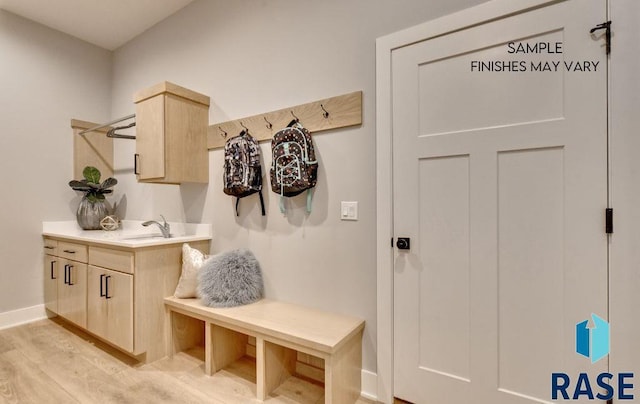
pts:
pixel 66 276
pixel 52 277
pixel 101 289
pixel 106 283
pixel 48 247
pixel 69 251
pixel 135 164
pixel 70 283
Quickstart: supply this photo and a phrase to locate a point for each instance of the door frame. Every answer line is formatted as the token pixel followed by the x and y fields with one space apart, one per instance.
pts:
pixel 492 10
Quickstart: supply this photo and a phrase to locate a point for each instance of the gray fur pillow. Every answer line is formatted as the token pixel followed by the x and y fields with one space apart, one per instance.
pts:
pixel 230 279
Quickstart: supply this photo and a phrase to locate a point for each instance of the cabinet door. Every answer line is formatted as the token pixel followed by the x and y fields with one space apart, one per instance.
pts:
pixel 185 137
pixel 150 141
pixel 96 303
pixel 72 291
pixel 110 306
pixel 51 283
pixel 171 135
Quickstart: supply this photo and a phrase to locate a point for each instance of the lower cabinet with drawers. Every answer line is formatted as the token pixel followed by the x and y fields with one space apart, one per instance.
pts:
pixel 66 280
pixel 114 293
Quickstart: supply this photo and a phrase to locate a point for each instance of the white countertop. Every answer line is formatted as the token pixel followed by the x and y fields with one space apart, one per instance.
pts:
pixel 130 234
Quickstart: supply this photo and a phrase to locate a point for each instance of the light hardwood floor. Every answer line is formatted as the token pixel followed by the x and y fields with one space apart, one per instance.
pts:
pixel 50 361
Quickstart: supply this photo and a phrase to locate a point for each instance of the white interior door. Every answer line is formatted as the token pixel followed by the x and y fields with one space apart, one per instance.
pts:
pixel 500 181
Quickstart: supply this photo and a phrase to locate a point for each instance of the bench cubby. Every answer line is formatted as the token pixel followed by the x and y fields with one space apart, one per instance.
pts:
pixel 281 331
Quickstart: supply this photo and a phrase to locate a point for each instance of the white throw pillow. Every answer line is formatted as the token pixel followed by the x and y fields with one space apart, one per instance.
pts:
pixel 192 260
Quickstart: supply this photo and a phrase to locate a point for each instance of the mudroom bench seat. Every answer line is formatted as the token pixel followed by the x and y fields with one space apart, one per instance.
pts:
pixel 280 331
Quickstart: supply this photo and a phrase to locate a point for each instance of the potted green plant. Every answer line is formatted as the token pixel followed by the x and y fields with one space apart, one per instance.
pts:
pixel 93 207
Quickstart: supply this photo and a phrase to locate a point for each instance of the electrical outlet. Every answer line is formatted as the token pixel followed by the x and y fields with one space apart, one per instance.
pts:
pixel 348 210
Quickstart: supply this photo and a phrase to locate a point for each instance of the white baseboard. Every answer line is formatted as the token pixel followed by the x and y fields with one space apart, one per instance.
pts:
pixel 369 385
pixel 10 319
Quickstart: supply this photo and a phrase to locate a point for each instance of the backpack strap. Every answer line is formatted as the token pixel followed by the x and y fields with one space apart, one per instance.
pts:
pixel 309 197
pixel 261 202
pixel 264 213
pixel 309 200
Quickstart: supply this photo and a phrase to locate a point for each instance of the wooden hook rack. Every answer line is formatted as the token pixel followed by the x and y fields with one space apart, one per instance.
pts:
pixel 329 113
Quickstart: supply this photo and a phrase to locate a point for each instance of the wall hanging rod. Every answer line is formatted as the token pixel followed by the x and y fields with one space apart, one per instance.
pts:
pixel 112 132
pixel 107 124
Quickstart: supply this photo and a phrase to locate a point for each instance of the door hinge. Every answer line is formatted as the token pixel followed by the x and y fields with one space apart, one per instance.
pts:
pixel 606 26
pixel 608 227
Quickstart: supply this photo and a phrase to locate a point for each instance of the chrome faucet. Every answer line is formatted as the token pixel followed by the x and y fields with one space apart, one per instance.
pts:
pixel 164 228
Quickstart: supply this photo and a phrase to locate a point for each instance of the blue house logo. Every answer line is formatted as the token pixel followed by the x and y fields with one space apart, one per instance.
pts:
pixel 593 342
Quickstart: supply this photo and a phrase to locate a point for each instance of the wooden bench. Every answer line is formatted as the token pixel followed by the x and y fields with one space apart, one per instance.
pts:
pixel 281 330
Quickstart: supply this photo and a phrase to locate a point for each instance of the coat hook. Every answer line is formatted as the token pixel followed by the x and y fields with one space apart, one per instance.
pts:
pixel 247 129
pixel 269 125
pixel 223 134
pixel 325 113
pixel 294 115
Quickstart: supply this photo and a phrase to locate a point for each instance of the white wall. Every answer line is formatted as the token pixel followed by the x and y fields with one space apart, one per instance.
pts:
pixel 46 78
pixel 256 56
pixel 253 56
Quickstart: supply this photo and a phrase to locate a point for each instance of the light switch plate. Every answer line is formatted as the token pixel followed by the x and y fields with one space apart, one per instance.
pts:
pixel 348 210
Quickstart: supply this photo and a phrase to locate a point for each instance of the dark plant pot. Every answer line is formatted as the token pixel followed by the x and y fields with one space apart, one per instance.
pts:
pixel 90 214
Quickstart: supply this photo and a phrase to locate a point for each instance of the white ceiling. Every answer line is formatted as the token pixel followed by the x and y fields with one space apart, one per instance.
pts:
pixel 106 23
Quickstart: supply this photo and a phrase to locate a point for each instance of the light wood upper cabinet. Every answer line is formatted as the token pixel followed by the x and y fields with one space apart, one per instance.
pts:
pixel 171 135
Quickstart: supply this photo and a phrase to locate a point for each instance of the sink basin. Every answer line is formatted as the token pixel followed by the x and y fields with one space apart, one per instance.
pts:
pixel 142 237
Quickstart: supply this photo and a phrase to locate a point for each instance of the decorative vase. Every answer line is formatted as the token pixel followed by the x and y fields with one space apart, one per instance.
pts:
pixel 90 214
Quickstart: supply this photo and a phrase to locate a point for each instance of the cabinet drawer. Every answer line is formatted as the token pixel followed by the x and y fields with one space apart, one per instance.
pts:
pixel 117 260
pixel 72 251
pixel 50 246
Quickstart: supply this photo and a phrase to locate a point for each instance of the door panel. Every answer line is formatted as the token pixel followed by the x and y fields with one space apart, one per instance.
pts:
pixel 500 180
pixel 444 276
pixel 484 105
pixel 96 303
pixel 530 261
pixel 72 291
pixel 51 283
pixel 110 306
pixel 150 141
pixel 120 306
